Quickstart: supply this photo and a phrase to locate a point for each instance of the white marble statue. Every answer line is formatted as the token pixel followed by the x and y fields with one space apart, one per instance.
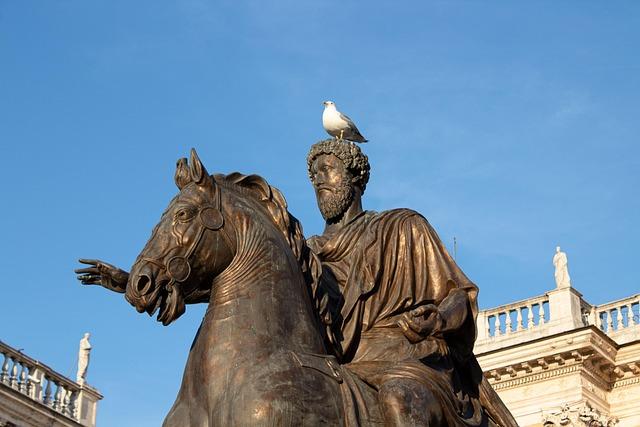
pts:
pixel 562 269
pixel 83 359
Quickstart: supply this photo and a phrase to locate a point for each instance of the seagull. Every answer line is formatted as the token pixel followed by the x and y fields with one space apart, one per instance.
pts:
pixel 338 125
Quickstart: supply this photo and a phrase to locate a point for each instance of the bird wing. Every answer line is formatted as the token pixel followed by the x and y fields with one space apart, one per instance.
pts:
pixel 348 120
pixel 356 135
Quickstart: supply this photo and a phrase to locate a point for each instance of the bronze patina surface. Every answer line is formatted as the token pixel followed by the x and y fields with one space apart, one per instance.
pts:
pixel 371 323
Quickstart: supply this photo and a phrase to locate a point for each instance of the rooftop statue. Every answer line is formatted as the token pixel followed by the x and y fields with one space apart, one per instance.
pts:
pixel 84 350
pixel 562 269
pixel 371 323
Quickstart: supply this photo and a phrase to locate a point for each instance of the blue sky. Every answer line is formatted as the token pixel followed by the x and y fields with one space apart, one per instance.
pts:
pixel 512 126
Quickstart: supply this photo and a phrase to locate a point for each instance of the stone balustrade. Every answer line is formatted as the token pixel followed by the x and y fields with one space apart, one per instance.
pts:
pixel 617 317
pixel 556 311
pixel 46 387
pixel 516 317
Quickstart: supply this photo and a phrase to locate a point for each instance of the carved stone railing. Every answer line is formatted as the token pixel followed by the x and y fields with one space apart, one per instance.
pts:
pixel 43 385
pixel 617 316
pixel 515 318
pixel 556 311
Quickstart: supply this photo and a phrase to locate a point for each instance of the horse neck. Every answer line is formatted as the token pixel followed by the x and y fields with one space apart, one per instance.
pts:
pixel 261 299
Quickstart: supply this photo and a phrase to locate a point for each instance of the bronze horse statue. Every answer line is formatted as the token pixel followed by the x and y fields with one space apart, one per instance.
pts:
pixel 259 357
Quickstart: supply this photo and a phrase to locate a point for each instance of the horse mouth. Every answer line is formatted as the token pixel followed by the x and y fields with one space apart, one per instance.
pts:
pixel 151 309
pixel 163 297
pixel 170 304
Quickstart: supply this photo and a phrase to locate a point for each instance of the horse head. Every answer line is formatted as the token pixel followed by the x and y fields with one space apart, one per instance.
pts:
pixel 187 248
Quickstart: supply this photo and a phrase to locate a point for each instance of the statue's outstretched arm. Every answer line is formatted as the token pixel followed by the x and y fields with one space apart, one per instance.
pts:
pixel 103 274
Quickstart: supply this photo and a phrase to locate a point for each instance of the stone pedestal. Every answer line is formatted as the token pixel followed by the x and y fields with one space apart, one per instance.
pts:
pixel 566 310
pixel 87 404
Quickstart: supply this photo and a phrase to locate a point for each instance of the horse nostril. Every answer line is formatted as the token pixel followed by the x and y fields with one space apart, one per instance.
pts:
pixel 143 284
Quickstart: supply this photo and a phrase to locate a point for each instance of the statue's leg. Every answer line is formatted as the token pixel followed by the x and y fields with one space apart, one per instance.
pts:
pixel 406 402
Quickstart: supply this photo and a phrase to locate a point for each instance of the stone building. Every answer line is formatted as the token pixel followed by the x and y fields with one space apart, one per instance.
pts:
pixel 34 395
pixel 557 360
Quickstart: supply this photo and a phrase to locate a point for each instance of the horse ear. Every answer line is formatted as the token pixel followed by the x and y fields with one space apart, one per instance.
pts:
pixel 182 176
pixel 198 171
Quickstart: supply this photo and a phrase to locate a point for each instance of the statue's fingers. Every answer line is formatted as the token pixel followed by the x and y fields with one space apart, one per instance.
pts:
pixel 416 312
pixel 88 261
pixel 408 322
pixel 420 325
pixel 424 310
pixel 89 278
pixel 88 270
pixel 402 323
pixel 408 332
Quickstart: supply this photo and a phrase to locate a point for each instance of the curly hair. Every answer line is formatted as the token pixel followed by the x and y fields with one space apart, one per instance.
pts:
pixel 356 162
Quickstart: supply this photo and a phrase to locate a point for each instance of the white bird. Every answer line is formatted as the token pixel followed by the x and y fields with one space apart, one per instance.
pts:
pixel 338 125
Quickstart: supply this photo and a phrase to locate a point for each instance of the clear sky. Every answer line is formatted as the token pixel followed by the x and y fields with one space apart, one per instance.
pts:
pixel 512 126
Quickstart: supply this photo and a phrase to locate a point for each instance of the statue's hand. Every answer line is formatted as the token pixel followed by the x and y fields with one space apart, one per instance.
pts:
pixel 103 274
pixel 421 322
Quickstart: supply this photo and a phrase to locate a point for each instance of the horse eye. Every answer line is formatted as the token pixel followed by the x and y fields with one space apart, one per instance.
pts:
pixel 183 214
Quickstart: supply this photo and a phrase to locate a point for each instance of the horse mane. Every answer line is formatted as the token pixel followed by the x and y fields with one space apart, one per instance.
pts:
pixel 276 205
pixel 272 199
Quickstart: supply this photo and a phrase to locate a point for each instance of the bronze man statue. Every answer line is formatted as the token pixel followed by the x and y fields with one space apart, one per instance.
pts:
pixel 401 314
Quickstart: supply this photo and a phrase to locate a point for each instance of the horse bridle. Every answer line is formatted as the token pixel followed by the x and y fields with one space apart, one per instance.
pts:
pixel 177 267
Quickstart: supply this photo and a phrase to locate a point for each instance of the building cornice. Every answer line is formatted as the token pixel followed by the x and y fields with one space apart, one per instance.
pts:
pixel 586 350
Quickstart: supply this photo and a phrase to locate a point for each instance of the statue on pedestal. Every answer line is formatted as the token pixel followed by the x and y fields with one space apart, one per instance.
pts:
pixel 371 323
pixel 562 269
pixel 83 359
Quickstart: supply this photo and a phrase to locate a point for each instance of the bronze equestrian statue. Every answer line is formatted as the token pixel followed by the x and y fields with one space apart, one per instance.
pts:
pixel 371 323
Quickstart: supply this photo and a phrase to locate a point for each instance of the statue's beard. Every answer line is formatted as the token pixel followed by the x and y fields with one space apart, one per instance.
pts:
pixel 335 204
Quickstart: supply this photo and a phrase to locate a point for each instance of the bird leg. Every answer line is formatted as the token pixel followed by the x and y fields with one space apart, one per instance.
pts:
pixel 341 135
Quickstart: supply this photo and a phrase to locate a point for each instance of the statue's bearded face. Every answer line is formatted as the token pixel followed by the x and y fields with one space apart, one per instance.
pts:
pixel 333 186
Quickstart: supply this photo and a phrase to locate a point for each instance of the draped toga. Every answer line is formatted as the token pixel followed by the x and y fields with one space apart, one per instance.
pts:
pixel 381 265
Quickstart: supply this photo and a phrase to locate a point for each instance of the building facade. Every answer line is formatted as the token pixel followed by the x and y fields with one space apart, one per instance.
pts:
pixel 557 360
pixel 34 395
